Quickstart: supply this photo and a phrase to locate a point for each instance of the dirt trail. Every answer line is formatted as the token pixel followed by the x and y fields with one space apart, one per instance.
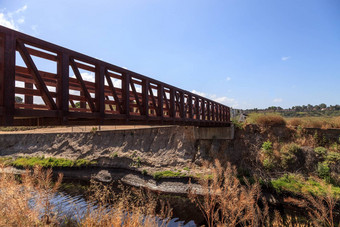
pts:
pixel 87 128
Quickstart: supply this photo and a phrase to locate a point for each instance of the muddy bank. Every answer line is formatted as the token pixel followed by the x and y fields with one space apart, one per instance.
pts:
pixel 171 185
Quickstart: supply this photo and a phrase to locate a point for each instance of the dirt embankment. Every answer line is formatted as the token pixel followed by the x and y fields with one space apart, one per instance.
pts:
pixel 149 148
pixel 153 149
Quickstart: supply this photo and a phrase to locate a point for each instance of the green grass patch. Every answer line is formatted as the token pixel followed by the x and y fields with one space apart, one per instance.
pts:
pixel 6 161
pixel 168 173
pixel 297 184
pixel 29 162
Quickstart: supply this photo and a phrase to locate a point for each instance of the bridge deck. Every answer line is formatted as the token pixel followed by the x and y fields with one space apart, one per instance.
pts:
pixel 59 86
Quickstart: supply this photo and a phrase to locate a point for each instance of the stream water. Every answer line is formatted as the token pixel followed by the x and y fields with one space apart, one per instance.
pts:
pixel 70 201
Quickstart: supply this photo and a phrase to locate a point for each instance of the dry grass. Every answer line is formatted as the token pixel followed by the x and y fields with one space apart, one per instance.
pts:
pixel 226 202
pixel 289 221
pixel 135 207
pixel 315 122
pixel 295 122
pixel 266 120
pixel 27 202
pixel 15 199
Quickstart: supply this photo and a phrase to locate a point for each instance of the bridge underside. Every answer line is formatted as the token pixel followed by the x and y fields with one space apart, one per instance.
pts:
pixel 45 84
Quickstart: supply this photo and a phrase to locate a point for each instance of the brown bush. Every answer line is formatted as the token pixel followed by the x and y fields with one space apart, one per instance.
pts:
pixel 295 122
pixel 270 120
pixel 336 122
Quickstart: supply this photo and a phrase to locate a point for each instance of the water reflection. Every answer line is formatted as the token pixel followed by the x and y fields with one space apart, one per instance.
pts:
pixel 70 202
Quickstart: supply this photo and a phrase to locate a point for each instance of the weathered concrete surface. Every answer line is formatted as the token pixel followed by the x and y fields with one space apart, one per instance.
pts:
pixel 208 133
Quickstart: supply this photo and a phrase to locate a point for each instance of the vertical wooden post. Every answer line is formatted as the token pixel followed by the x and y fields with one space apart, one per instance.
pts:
pixel 217 112
pixel 228 114
pixel 190 106
pixel 145 95
pixel 126 94
pixel 221 111
pixel 224 114
pixel 99 92
pixel 82 103
pixel 213 111
pixel 203 109
pixel 63 86
pixel 160 92
pixel 28 99
pixel 208 110
pixel 172 103
pixel 7 77
pixel 181 104
pixel 197 107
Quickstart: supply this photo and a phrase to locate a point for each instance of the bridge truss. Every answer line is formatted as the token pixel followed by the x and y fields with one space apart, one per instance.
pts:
pixel 64 94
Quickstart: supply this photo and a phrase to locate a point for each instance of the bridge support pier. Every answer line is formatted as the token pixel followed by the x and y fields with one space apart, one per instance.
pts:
pixel 225 133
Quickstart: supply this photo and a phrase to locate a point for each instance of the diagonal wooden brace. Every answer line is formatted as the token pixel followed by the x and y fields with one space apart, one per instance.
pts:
pixel 39 82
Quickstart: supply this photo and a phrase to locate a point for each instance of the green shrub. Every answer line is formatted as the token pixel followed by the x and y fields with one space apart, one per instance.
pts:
pixel 267 148
pixel 144 172
pixel 320 152
pixel 268 163
pixel 297 184
pixel 333 158
pixel 324 171
pixel 138 162
pixel 238 124
pixel 289 155
pixel 94 130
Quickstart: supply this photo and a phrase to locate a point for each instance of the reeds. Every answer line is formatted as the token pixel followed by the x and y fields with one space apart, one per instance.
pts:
pixel 225 202
pixel 25 200
pixel 132 207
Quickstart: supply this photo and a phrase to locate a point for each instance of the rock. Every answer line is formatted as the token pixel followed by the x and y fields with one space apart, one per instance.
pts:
pixel 103 176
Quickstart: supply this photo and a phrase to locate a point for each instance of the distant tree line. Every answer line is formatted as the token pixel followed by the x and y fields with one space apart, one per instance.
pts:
pixel 304 110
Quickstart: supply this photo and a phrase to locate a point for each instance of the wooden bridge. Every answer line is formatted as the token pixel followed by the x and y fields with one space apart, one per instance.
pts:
pixel 44 84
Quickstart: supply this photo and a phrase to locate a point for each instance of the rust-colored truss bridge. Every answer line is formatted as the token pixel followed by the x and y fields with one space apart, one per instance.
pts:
pixel 45 84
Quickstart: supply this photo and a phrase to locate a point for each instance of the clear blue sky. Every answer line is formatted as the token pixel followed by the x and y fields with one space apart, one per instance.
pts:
pixel 245 54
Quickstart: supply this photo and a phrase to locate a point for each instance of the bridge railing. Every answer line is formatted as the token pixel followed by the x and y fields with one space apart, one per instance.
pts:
pixel 45 84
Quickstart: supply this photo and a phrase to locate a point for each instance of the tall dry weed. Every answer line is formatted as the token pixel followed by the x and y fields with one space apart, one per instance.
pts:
pixel 225 202
pixel 25 200
pixel 132 207
pixel 27 203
